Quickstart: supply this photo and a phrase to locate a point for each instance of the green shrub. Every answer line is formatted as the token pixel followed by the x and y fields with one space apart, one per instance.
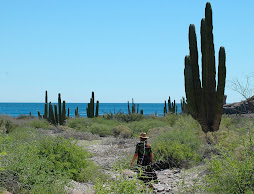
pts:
pixel 229 174
pixel 180 145
pixel 122 185
pixel 44 164
pixel 128 118
pixel 145 125
pixel 100 129
pixel 79 123
pixel 7 125
pixel 37 123
pixel 122 131
pixel 171 119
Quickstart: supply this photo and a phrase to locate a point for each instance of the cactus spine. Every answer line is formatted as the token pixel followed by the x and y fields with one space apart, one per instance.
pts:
pixel 205 103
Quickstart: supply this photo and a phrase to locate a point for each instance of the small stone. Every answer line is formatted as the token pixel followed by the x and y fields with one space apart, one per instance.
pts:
pixel 129 173
pixel 160 188
pixel 168 189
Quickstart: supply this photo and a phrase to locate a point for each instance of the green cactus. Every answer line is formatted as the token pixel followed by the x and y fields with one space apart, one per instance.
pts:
pixel 129 111
pixel 169 104
pixel 39 115
pixel 63 115
pixel 45 116
pixel 76 112
pixel 133 107
pixel 141 112
pixel 51 114
pixel 68 115
pixel 56 115
pixel 60 109
pixel 90 107
pixel 205 102
pixel 97 109
pixel 165 108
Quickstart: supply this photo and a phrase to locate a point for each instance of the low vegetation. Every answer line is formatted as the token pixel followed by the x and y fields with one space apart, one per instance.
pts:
pixel 32 160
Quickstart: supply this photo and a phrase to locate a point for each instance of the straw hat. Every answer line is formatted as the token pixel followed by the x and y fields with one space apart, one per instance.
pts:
pixel 143 136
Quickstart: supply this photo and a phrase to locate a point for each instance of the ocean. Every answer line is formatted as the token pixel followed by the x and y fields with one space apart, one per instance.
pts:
pixel 16 109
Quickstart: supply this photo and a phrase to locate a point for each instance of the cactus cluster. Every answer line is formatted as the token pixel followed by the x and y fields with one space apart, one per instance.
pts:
pixel 205 101
pixel 134 108
pixel 51 114
pixel 90 108
pixel 172 108
pixel 184 108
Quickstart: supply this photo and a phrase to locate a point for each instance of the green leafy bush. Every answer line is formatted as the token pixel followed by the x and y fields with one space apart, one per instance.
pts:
pixel 37 123
pixel 230 174
pixel 79 123
pixel 6 125
pixel 128 118
pixel 180 145
pixel 122 185
pixel 100 129
pixel 44 164
pixel 145 125
pixel 122 131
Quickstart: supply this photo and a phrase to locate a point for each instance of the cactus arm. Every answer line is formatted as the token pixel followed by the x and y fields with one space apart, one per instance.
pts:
pixel 220 88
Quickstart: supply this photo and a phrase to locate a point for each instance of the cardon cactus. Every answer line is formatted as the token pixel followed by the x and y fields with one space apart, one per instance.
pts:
pixel 204 102
pixel 45 116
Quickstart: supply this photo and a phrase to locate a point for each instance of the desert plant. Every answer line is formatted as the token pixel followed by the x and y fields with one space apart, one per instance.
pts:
pixel 45 116
pixel 122 131
pixel 205 103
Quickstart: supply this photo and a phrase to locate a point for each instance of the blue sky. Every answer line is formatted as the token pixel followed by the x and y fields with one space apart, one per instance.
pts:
pixel 118 49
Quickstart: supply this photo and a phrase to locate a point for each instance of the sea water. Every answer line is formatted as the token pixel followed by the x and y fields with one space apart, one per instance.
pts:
pixel 16 109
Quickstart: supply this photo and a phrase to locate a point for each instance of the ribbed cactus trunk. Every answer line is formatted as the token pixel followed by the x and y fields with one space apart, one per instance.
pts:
pixel 39 115
pixel 45 116
pixel 97 109
pixel 51 114
pixel 60 109
pixel 56 115
pixel 169 104
pixel 92 108
pixel 205 102
pixel 63 115
pixel 165 108
pixel 129 111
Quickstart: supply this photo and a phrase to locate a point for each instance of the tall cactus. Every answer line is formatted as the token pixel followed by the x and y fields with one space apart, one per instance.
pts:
pixel 129 111
pixel 60 109
pixel 56 115
pixel 45 116
pixel 90 107
pixel 63 115
pixel 97 109
pixel 205 102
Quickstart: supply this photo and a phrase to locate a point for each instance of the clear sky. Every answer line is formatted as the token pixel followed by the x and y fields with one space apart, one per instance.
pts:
pixel 120 49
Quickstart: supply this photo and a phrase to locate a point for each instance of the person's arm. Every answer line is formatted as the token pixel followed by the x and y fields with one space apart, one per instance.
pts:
pixel 134 158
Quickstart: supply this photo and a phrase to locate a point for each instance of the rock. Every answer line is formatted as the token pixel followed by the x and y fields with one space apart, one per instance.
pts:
pixel 243 107
pixel 75 192
pixel 129 173
pixel 168 189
